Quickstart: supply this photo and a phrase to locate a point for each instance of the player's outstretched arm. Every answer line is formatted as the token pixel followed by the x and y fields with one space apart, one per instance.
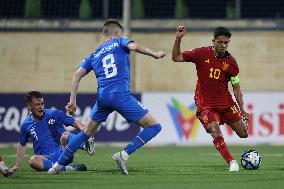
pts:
pixel 176 53
pixel 21 151
pixel 239 98
pixel 144 50
pixel 71 106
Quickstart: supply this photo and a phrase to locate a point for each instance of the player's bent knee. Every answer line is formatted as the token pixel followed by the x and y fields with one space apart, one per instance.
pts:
pixel 36 163
pixel 213 129
pixel 91 127
pixel 241 131
pixel 64 138
pixel 147 120
pixel 243 135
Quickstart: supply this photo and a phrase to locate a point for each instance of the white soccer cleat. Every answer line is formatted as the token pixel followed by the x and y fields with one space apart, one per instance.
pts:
pixel 234 166
pixel 122 164
pixel 6 171
pixel 89 146
pixel 55 169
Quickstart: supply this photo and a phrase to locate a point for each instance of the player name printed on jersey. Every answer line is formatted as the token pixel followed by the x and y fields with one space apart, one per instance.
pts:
pixel 13 113
pixel 106 49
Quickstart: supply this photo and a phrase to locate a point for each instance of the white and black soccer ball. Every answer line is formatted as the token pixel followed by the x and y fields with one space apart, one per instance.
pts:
pixel 251 160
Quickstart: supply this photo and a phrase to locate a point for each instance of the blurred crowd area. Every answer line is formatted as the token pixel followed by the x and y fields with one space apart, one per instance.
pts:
pixel 50 37
pixel 142 9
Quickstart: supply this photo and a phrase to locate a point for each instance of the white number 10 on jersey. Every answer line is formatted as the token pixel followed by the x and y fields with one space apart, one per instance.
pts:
pixel 110 68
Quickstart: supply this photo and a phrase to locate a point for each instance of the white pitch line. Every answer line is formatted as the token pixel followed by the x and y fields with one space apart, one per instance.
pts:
pixel 201 154
pixel 217 154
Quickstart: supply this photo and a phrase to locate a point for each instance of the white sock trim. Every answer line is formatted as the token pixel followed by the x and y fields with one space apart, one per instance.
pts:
pixel 141 140
pixel 69 149
pixel 124 155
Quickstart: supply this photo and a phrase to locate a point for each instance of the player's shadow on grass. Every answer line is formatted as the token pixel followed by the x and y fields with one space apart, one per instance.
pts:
pixel 115 171
pixel 105 171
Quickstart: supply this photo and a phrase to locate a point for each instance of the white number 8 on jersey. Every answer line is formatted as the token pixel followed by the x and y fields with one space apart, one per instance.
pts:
pixel 108 66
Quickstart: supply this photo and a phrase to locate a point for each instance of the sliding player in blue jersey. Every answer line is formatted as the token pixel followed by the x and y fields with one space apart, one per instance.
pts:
pixel 111 65
pixel 46 129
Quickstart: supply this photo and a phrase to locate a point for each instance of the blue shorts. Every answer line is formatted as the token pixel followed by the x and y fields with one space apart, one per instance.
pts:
pixel 124 103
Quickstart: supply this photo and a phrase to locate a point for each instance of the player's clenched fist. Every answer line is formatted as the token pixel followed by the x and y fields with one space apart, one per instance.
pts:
pixel 71 108
pixel 160 54
pixel 180 31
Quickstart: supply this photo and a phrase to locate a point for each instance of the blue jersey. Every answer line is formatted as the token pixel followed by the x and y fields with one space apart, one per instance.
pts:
pixel 111 65
pixel 46 132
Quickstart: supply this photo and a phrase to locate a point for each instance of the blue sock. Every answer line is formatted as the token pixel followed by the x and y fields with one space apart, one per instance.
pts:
pixel 71 148
pixel 63 168
pixel 71 136
pixel 47 164
pixel 142 138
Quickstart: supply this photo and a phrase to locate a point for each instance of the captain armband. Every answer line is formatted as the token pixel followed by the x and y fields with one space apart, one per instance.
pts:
pixel 235 80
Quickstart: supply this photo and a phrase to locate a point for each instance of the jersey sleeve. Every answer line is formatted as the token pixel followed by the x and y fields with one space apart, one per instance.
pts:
pixel 233 69
pixel 86 64
pixel 65 119
pixel 124 41
pixel 23 137
pixel 190 56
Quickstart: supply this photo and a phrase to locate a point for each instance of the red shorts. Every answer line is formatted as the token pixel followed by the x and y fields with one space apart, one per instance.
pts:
pixel 220 115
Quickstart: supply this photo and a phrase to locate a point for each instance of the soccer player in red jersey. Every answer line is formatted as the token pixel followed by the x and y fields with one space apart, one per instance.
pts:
pixel 215 105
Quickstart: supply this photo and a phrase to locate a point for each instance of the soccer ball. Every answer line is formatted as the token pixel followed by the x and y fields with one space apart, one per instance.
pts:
pixel 251 160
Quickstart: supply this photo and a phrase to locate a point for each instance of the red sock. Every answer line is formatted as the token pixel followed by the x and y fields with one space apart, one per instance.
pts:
pixel 223 149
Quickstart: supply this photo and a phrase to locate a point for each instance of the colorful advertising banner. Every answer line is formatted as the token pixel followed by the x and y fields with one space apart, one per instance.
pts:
pixel 176 112
pixel 13 111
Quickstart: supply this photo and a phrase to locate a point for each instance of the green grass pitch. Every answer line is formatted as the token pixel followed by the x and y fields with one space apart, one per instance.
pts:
pixel 167 167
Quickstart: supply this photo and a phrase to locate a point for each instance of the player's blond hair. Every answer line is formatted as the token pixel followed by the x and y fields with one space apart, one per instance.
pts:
pixel 110 26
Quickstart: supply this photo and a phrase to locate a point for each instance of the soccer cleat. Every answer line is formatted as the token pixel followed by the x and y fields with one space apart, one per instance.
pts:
pixel 89 146
pixel 7 172
pixel 234 166
pixel 79 167
pixel 122 164
pixel 55 169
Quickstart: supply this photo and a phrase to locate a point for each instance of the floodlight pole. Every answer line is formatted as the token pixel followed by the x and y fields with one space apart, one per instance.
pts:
pixel 126 16
pixel 238 9
pixel 105 9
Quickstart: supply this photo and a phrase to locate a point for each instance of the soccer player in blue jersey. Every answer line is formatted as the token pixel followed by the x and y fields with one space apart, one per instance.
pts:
pixel 46 129
pixel 111 65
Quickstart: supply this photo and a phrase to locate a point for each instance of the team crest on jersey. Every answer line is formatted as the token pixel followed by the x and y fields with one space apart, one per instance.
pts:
pixel 51 121
pixel 225 66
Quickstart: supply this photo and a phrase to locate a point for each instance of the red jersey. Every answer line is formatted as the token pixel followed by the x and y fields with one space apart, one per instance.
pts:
pixel 213 76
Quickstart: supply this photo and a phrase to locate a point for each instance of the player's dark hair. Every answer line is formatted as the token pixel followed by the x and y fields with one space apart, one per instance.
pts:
pixel 219 31
pixel 110 25
pixel 32 94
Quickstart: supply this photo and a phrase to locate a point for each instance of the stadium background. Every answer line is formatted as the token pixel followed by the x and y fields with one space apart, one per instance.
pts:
pixel 43 41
